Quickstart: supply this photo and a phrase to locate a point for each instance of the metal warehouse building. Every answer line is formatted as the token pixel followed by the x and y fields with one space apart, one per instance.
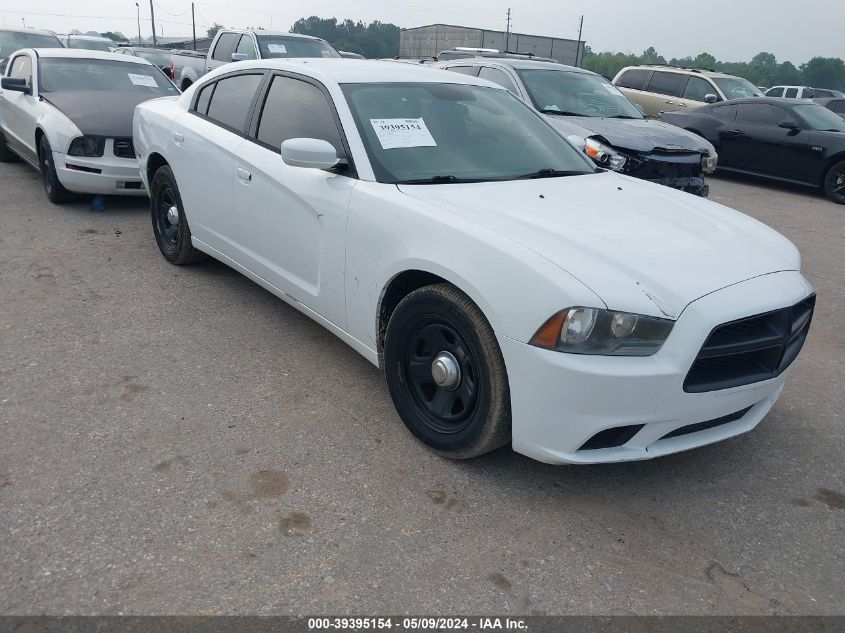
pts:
pixel 428 41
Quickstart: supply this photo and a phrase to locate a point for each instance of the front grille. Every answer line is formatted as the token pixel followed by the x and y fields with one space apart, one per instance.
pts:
pixel 654 167
pixel 751 350
pixel 709 424
pixel 123 148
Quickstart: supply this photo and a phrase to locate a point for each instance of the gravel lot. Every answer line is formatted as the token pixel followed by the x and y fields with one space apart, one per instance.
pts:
pixel 177 440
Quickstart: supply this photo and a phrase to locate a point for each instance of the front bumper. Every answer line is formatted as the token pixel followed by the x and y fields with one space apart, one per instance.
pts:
pixel 104 175
pixel 691 184
pixel 560 401
pixel 682 171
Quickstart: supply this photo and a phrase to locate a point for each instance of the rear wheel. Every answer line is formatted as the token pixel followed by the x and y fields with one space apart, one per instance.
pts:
pixel 446 374
pixel 834 183
pixel 6 155
pixel 56 192
pixel 170 226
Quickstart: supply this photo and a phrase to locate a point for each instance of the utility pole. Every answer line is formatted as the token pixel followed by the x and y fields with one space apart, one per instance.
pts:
pixel 153 18
pixel 194 25
pixel 578 51
pixel 508 33
pixel 138 9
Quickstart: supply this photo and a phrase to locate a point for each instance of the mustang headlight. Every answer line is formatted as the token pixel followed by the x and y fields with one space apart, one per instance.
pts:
pixel 604 155
pixel 603 333
pixel 90 146
pixel 709 163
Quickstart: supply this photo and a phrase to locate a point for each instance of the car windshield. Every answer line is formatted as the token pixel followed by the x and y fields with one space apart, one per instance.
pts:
pixel 58 74
pixel 443 133
pixel 280 46
pixel 11 41
pixel 576 94
pixel 737 88
pixel 159 58
pixel 90 45
pixel 819 118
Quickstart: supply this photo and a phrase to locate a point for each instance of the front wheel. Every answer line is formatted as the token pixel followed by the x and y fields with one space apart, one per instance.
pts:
pixel 54 189
pixel 446 374
pixel 834 183
pixel 170 226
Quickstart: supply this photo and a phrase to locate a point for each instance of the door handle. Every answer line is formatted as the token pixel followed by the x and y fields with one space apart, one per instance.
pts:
pixel 736 133
pixel 178 138
pixel 670 101
pixel 681 105
pixel 244 175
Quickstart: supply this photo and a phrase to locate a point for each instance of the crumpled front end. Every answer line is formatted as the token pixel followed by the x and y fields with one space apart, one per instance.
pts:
pixel 679 170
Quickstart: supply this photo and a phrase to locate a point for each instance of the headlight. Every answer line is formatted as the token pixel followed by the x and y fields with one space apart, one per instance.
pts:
pixel 87 146
pixel 603 333
pixel 604 155
pixel 709 163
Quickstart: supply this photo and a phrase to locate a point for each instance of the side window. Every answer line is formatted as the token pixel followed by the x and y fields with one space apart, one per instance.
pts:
pixel 791 93
pixel 297 109
pixel 22 68
pixel 669 84
pixel 497 76
pixel 634 78
pixel 246 47
pixel 822 94
pixel 762 114
pixel 839 107
pixel 464 70
pixel 204 98
pixel 698 88
pixel 775 92
pixel 727 112
pixel 225 47
pixel 232 99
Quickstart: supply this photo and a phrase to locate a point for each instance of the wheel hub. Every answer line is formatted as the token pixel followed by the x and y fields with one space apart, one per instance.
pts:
pixel 173 215
pixel 446 371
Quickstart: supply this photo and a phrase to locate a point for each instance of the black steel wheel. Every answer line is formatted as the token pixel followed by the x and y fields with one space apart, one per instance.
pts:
pixel 170 226
pixel 54 189
pixel 834 183
pixel 446 373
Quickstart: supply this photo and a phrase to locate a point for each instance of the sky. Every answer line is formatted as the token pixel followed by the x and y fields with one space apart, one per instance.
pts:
pixel 732 30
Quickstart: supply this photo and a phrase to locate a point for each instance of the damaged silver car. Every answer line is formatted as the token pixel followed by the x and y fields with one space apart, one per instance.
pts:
pixel 596 117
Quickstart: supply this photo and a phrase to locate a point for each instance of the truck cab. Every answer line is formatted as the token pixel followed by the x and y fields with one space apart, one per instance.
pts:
pixel 232 45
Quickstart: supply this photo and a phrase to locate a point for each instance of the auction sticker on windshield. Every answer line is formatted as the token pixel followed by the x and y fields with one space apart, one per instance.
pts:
pixel 142 80
pixel 277 48
pixel 395 133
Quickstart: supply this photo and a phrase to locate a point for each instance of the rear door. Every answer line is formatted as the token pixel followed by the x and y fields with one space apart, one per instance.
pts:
pixel 663 90
pixel 293 218
pixel 203 157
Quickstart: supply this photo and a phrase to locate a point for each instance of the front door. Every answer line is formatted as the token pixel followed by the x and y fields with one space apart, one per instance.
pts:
pixel 19 109
pixel 766 148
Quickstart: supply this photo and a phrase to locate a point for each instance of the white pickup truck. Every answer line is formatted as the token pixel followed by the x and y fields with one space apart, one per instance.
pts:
pixel 232 45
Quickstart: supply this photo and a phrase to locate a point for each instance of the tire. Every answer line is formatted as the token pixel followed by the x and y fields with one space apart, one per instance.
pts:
pixel 6 155
pixel 469 417
pixel 56 192
pixel 834 183
pixel 174 240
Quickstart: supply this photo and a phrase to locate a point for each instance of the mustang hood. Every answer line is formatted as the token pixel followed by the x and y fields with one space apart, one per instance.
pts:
pixel 86 109
pixel 639 135
pixel 639 246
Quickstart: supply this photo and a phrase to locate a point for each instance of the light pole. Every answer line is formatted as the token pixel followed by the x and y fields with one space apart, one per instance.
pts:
pixel 153 18
pixel 138 8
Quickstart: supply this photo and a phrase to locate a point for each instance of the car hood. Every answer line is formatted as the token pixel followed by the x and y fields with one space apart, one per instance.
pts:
pixel 638 135
pixel 640 247
pixel 99 113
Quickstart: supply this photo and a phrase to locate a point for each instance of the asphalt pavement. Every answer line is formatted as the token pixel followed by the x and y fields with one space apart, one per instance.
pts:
pixel 179 441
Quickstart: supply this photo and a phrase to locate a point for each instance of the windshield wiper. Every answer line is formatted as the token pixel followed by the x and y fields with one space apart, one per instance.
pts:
pixel 436 180
pixel 560 112
pixel 626 116
pixel 549 173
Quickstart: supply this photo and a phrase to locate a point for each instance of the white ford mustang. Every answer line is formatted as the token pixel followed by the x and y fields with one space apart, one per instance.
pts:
pixel 509 289
pixel 69 114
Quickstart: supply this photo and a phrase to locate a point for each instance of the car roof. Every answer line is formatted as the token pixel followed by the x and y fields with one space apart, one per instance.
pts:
pixel 275 33
pixel 677 69
pixel 82 53
pixel 17 29
pixel 98 38
pixel 340 70
pixel 518 63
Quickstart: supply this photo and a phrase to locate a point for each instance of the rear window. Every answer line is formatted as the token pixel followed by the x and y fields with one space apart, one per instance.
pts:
pixel 11 41
pixel 669 84
pixel 90 45
pixel 634 79
pixel 232 100
pixel 273 46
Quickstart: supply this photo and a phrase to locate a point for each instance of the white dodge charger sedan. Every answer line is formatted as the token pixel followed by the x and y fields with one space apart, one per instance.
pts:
pixel 509 289
pixel 69 114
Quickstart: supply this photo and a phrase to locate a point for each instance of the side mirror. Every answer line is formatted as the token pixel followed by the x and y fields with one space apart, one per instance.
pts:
pixel 239 57
pixel 789 125
pixel 312 153
pixel 16 85
pixel 710 98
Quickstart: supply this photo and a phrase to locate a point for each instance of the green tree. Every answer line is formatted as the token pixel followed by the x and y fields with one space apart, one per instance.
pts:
pixel 704 60
pixel 824 72
pixel 115 36
pixel 764 67
pixel 650 56
pixel 373 40
pixel 212 30
pixel 787 75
